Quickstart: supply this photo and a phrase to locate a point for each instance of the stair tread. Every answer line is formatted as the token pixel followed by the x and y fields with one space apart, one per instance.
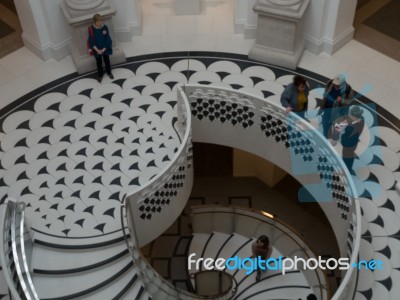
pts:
pixel 214 245
pixel 286 293
pixel 234 243
pixel 96 242
pixel 63 285
pixel 270 280
pixel 45 258
pixel 112 290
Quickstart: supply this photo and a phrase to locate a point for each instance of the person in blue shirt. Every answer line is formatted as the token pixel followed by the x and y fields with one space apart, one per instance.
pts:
pixel 99 41
pixel 338 96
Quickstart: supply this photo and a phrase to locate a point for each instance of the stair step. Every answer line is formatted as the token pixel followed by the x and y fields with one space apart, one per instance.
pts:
pixel 119 288
pixel 78 243
pixel 226 246
pixel 197 244
pixel 270 280
pixel 63 286
pixel 284 292
pixel 241 274
pixel 215 244
pixel 234 243
pixel 51 261
pixel 134 291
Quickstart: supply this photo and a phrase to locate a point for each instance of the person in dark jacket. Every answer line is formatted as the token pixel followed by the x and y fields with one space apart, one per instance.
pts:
pixel 261 248
pixel 350 136
pixel 99 41
pixel 338 96
pixel 295 96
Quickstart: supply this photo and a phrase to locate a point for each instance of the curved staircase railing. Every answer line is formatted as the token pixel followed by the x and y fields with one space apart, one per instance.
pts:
pixel 240 120
pixel 167 192
pixel 17 250
pixel 252 223
pixel 158 203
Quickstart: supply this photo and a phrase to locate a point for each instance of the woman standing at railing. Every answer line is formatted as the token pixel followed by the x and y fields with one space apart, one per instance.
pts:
pixel 261 249
pixel 338 96
pixel 295 96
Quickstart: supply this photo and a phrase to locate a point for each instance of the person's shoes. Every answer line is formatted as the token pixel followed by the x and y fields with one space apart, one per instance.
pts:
pixel 111 75
pixel 99 78
pixel 258 277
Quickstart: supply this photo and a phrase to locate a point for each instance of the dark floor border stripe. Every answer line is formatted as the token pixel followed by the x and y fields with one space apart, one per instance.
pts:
pixel 83 269
pixel 190 55
pixel 79 247
pixel 126 288
pixel 97 286
pixel 277 288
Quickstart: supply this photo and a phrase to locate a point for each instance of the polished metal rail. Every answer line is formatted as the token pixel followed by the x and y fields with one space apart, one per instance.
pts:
pixel 14 259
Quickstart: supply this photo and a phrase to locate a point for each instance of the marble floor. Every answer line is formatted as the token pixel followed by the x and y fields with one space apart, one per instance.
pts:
pixel 379 40
pixel 368 71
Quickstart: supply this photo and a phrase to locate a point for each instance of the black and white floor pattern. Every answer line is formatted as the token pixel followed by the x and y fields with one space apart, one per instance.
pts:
pixel 73 149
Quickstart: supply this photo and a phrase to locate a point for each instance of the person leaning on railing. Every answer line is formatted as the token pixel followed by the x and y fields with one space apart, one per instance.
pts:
pixel 261 248
pixel 295 96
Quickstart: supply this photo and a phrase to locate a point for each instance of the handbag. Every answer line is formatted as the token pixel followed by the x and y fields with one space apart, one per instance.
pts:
pixel 91 34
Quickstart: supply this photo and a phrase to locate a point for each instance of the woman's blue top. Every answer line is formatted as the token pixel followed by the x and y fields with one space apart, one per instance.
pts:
pixel 101 39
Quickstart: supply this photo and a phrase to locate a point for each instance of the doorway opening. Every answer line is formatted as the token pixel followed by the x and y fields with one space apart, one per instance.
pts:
pixel 10 28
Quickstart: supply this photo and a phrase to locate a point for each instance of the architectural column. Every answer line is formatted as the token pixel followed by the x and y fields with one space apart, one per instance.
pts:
pixel 279 32
pixel 79 15
pixel 245 19
pixel 44 29
pixel 328 25
pixel 46 32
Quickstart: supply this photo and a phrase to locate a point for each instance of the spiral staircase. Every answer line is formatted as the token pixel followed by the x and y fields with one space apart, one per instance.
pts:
pixel 105 265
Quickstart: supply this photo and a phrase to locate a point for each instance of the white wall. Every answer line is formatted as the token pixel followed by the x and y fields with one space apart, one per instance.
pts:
pixel 245 18
pixel 128 19
pixel 47 33
pixel 328 24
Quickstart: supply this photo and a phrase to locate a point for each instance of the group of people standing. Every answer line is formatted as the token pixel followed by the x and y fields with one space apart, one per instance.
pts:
pixel 340 118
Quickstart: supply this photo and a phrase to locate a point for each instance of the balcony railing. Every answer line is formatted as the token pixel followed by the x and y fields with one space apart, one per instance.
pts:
pixel 16 254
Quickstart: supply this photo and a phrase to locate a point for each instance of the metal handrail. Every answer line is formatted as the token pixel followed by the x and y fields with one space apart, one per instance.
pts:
pixel 306 125
pixel 261 216
pixel 6 217
pixel 18 252
pixel 171 287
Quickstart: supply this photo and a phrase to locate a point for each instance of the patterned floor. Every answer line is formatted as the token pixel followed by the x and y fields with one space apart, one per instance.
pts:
pixel 72 151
